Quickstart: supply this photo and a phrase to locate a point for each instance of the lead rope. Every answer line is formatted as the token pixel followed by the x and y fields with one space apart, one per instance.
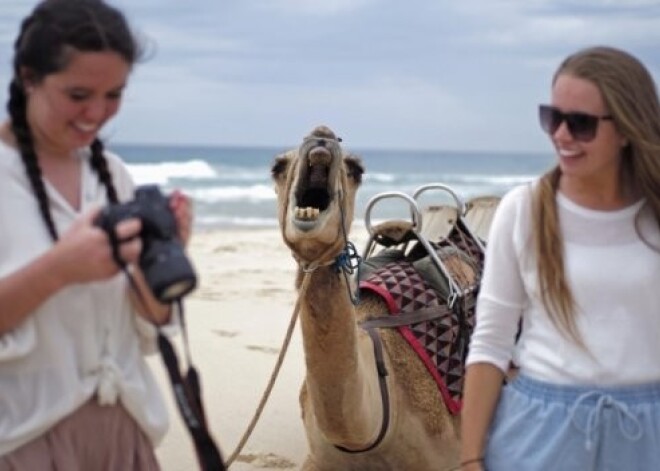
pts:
pixel 274 374
pixel 307 269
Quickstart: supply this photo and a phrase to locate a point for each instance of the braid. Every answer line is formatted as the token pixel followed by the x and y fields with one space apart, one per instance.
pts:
pixel 100 165
pixel 16 107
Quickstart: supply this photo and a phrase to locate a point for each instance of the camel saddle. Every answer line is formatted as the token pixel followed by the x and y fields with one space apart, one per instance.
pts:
pixel 435 324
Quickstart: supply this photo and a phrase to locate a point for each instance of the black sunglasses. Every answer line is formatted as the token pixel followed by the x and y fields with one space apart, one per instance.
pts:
pixel 582 126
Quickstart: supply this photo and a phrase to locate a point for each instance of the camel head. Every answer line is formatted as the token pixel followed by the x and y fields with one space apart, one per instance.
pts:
pixel 316 185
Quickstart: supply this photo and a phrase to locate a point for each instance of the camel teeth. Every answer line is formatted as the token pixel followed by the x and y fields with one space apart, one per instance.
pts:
pixel 307 214
pixel 302 213
pixel 312 213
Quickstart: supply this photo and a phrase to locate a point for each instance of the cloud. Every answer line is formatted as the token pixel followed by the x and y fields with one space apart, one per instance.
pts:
pixel 421 73
pixel 172 40
pixel 313 7
pixel 13 12
pixel 509 23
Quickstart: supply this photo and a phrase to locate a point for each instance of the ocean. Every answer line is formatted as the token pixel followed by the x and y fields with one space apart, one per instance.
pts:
pixel 231 186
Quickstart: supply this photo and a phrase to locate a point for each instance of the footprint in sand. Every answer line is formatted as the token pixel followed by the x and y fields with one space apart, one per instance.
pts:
pixel 225 333
pixel 271 291
pixel 266 461
pixel 260 348
pixel 207 295
pixel 224 248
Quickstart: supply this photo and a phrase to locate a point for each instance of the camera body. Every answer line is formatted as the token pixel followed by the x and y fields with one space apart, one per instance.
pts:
pixel 167 271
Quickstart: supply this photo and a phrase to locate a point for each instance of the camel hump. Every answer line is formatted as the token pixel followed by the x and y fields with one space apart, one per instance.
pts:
pixel 461 266
pixel 323 131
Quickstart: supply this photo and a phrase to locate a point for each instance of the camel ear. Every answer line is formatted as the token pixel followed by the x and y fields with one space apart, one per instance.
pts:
pixel 354 167
pixel 279 166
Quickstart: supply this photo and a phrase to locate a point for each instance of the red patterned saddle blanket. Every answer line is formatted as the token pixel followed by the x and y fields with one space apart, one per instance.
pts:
pixel 411 284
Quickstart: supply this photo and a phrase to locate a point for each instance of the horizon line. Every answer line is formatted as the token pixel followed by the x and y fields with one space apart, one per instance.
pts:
pixel 356 148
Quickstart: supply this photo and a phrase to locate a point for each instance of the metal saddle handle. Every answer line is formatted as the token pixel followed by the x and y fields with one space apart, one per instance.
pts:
pixel 460 204
pixel 415 214
pixel 461 207
pixel 416 227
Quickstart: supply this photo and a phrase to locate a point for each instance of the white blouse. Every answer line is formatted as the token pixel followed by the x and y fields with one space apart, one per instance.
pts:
pixel 84 340
pixel 615 280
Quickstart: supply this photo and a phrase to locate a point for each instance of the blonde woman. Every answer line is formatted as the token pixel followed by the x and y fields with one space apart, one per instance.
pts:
pixel 575 256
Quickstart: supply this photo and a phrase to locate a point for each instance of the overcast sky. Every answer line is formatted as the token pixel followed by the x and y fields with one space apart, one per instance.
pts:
pixel 420 74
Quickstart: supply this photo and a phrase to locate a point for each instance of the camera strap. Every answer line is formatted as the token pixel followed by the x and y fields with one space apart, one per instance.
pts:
pixel 187 393
pixel 186 388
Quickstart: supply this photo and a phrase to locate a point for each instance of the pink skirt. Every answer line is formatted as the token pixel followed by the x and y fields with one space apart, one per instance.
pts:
pixel 94 437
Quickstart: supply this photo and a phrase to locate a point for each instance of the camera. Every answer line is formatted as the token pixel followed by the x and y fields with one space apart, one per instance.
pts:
pixel 167 271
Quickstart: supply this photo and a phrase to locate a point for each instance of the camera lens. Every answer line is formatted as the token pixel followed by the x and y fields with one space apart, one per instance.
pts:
pixel 167 270
pixel 176 290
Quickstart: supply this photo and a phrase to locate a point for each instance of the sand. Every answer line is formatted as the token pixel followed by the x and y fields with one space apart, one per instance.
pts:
pixel 237 320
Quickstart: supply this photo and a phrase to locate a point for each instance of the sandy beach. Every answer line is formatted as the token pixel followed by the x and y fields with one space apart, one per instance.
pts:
pixel 237 320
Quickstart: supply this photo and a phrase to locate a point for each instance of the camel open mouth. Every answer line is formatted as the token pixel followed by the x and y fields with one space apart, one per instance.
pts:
pixel 315 186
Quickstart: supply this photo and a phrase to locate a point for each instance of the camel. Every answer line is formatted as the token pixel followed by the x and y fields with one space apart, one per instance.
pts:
pixel 342 408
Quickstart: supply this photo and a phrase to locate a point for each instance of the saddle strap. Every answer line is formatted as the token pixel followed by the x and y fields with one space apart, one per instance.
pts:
pixel 421 315
pixel 384 393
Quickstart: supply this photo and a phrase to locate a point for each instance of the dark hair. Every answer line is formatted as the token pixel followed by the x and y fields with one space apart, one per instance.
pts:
pixel 47 39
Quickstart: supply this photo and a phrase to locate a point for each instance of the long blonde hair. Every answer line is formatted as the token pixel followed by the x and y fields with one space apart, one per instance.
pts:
pixel 631 98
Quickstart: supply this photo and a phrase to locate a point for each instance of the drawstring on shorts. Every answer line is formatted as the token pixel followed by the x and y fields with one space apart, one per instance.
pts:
pixel 632 432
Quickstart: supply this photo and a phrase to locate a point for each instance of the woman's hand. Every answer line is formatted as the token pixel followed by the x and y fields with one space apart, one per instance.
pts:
pixel 181 207
pixel 85 252
pixel 81 255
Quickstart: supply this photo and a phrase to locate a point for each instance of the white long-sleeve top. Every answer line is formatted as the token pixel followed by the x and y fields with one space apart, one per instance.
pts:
pixel 614 278
pixel 82 341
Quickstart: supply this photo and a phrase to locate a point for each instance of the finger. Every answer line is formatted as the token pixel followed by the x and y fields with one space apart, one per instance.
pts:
pixel 185 226
pixel 177 198
pixel 88 218
pixel 181 207
pixel 179 203
pixel 128 229
pixel 92 213
pixel 130 251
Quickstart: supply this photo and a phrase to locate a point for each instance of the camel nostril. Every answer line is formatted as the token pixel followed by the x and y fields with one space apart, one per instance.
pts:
pixel 321 142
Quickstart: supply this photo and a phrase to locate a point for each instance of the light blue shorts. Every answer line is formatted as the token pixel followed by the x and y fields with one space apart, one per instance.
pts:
pixel 545 427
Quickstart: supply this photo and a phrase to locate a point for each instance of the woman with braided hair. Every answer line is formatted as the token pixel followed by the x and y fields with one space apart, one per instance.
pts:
pixel 77 393
pixel 575 255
